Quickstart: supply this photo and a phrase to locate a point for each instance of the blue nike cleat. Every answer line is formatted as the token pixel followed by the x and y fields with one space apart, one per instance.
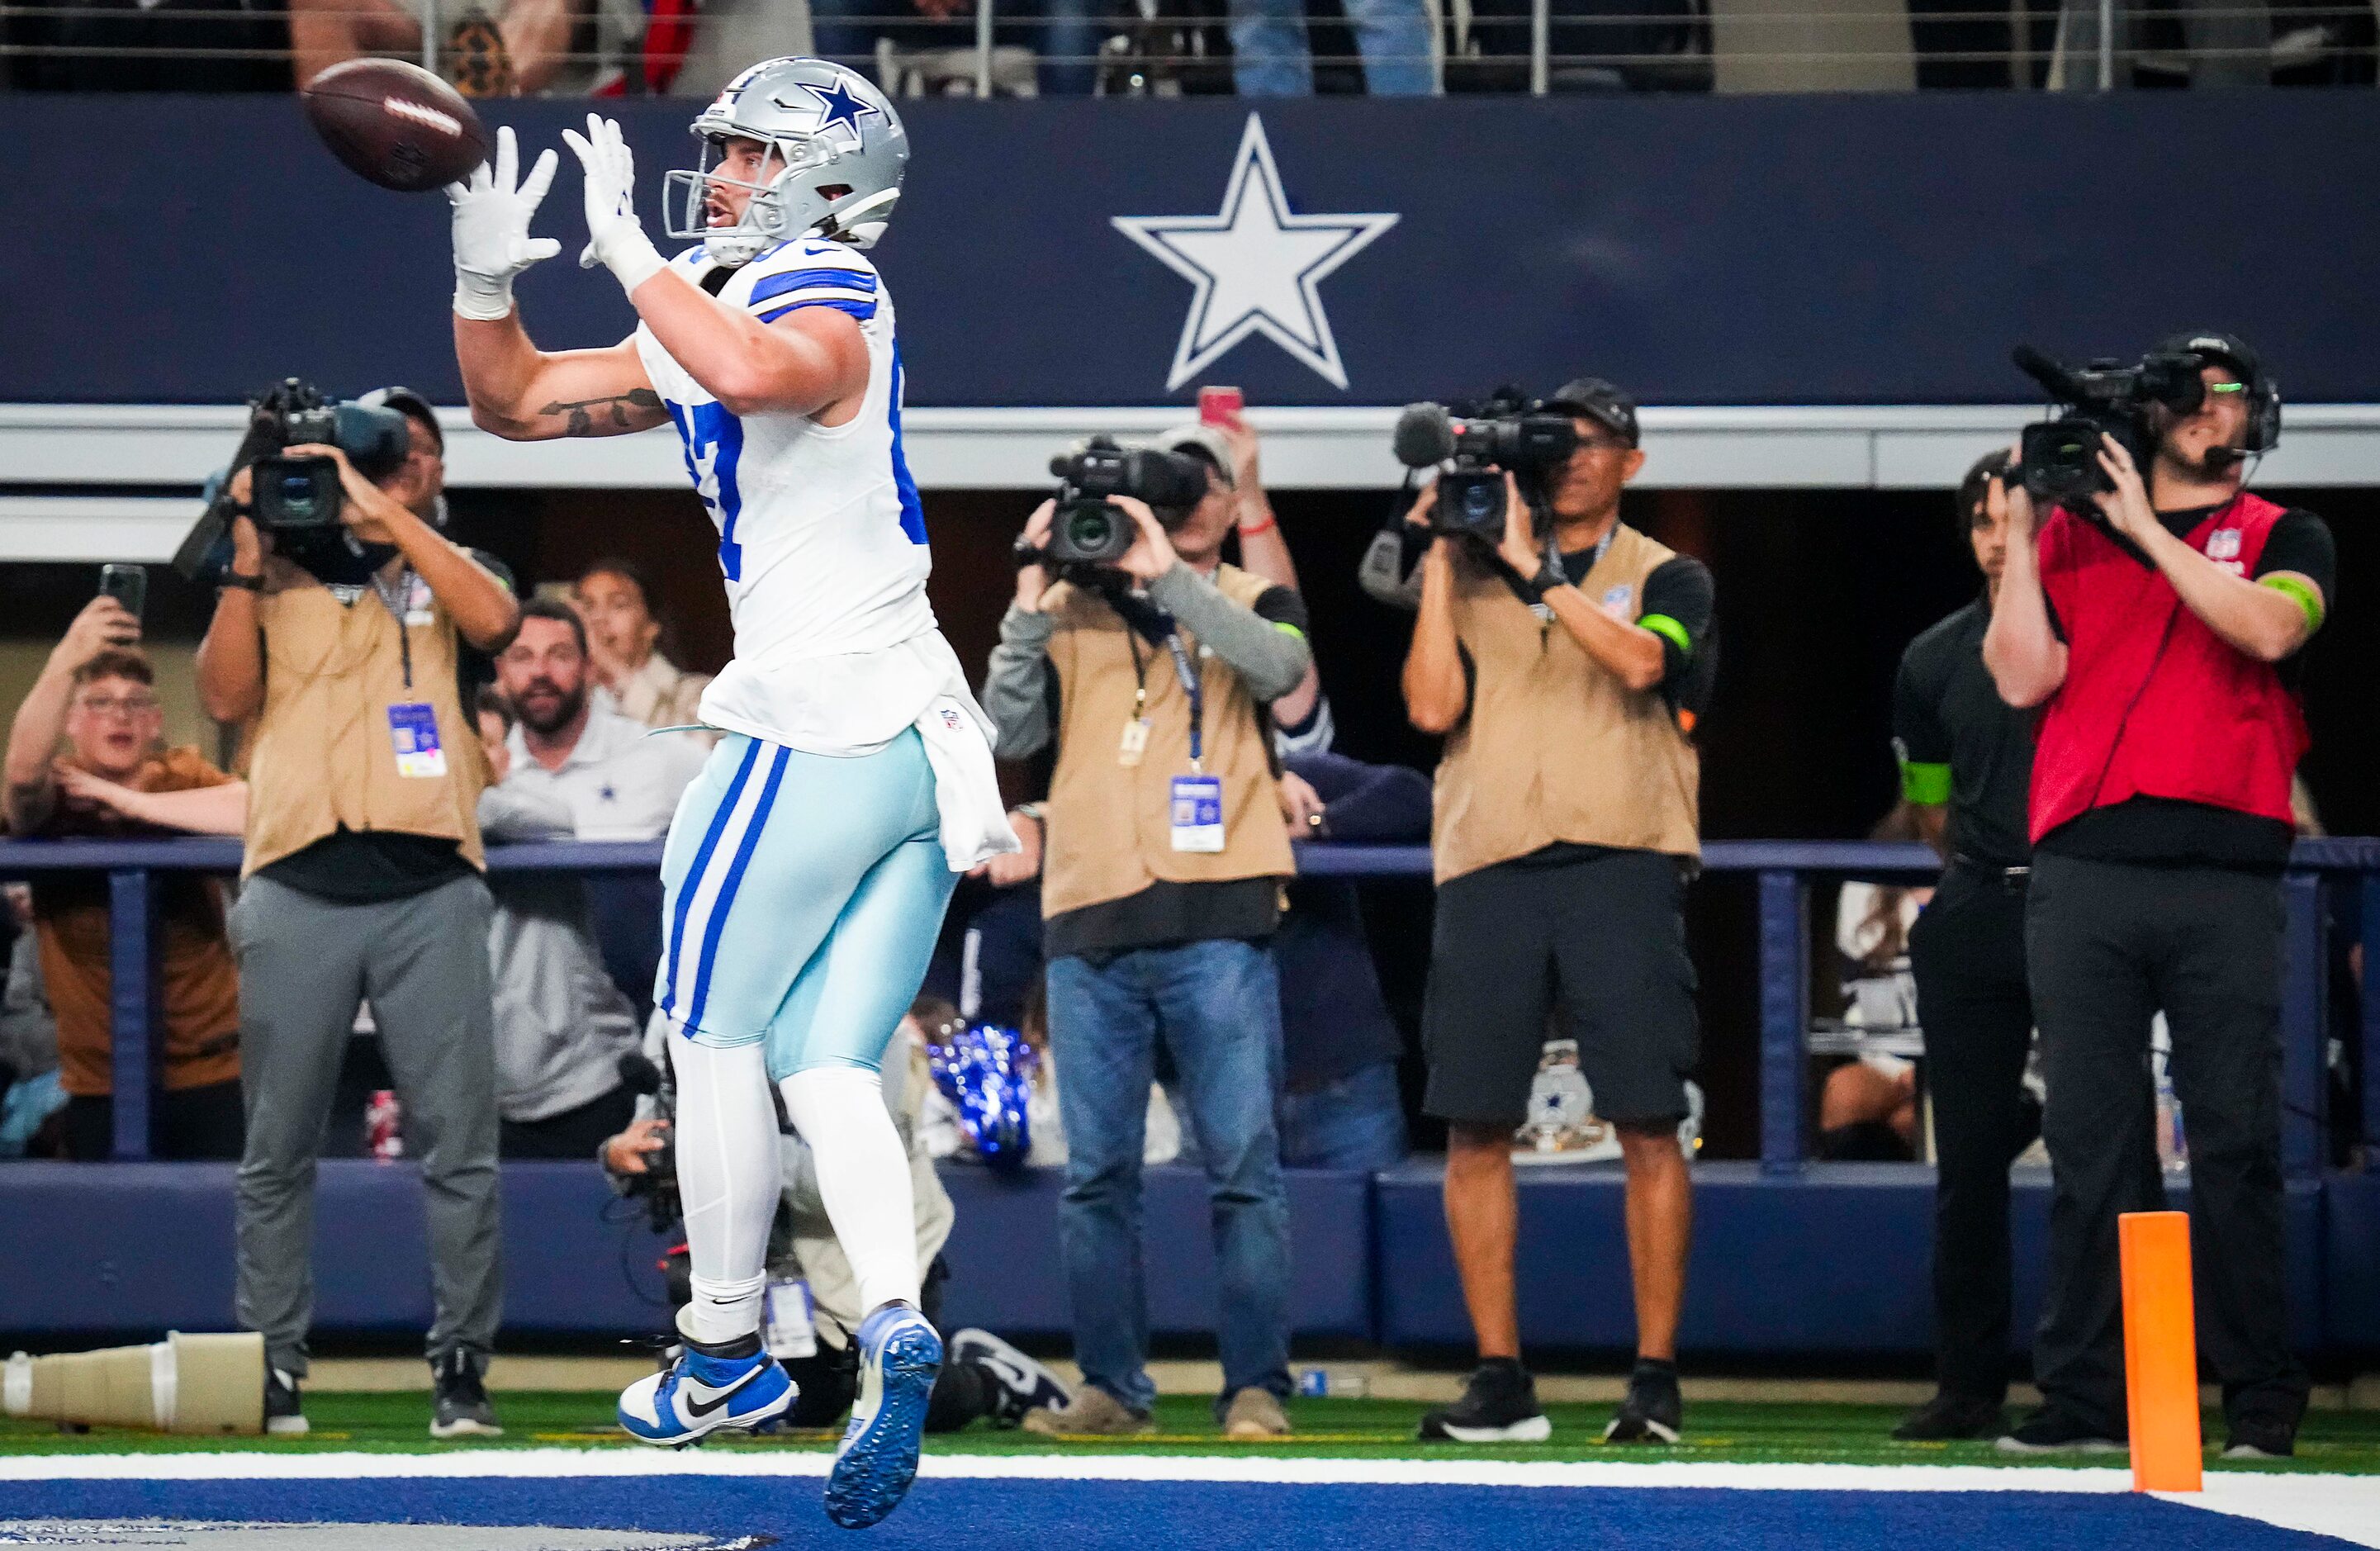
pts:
pixel 728 1387
pixel 899 1357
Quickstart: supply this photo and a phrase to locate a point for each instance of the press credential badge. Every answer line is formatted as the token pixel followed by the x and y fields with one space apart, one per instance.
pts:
pixel 1198 813
pixel 413 730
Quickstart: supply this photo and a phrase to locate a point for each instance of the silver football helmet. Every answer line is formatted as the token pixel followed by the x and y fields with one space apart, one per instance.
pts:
pixel 833 130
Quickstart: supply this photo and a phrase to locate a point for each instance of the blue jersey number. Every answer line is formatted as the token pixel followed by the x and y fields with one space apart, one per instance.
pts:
pixel 714 445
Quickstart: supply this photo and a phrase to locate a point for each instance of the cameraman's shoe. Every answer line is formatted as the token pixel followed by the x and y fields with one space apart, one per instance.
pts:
pixel 462 1409
pixel 1018 1384
pixel 1652 1412
pixel 712 1388
pixel 283 1417
pixel 899 1358
pixel 1499 1405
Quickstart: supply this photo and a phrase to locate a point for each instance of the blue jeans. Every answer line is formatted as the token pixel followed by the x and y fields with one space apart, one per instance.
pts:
pixel 1357 1122
pixel 1217 1005
pixel 1270 57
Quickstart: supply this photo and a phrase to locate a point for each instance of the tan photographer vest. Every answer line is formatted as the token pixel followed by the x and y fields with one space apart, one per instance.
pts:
pixel 1557 748
pixel 323 755
pixel 1110 826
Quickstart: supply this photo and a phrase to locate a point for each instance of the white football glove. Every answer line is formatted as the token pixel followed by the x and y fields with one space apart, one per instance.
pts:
pixel 615 238
pixel 492 240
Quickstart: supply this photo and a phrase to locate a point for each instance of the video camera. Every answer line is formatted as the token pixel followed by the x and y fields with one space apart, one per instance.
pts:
pixel 293 496
pixel 2059 458
pixel 1088 532
pixel 658 1185
pixel 1508 434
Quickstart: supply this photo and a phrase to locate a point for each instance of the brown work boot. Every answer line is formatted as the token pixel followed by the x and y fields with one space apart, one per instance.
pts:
pixel 1254 1413
pixel 477 60
pixel 1093 1413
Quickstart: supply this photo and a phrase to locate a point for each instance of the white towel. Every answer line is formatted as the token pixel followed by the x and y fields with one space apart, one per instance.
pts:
pixel 966 791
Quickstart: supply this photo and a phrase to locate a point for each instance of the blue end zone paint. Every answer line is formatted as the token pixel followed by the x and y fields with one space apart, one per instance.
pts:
pixel 1138 1516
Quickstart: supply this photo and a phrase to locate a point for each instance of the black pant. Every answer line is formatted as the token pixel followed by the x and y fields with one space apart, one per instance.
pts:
pixel 2110 945
pixel 574 1133
pixel 1968 954
pixel 184 1124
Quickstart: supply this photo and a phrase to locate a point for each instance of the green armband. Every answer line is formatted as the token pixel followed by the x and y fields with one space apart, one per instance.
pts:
pixel 2306 597
pixel 1288 629
pixel 1670 631
pixel 1925 784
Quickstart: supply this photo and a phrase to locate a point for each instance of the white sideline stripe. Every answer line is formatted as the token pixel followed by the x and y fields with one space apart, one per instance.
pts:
pixel 2346 1506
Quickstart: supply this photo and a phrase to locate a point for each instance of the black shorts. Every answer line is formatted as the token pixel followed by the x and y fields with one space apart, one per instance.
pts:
pixel 1601 937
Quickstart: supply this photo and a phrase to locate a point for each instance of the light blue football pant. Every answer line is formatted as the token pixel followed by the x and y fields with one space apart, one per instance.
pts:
pixel 802 896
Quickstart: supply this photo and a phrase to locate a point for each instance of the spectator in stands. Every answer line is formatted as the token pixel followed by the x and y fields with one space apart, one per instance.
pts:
pixel 1341 1107
pixel 561 1025
pixel 982 1376
pixel 1966 765
pixel 1162 934
pixel 515 48
pixel 361 879
pixel 1270 56
pixel 32 1102
pixel 98 695
pixel 1867 1106
pixel 618 781
pixel 1062 32
pixel 2159 638
pixel 616 600
pixel 1565 667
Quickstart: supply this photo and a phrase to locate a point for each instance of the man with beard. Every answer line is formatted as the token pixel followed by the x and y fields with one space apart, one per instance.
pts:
pixel 618 782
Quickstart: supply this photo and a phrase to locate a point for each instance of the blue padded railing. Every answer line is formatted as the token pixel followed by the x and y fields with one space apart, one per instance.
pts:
pixel 1782 871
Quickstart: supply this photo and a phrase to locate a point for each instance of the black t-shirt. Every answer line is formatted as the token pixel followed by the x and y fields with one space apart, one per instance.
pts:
pixel 370 866
pixel 1678 606
pixel 1166 913
pixel 1960 743
pixel 2165 830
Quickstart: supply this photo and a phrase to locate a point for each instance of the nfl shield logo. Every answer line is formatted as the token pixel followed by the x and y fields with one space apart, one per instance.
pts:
pixel 2223 544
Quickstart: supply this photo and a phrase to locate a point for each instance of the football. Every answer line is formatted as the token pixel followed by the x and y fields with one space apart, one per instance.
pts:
pixel 395 124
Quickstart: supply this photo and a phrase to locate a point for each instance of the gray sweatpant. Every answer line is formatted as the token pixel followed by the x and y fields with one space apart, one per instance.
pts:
pixel 422 962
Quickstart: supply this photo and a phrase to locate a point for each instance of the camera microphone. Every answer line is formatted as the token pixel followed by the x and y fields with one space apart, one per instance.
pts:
pixel 638 1073
pixel 1424 436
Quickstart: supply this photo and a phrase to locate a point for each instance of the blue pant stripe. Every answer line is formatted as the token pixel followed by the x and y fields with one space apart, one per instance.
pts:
pixel 692 882
pixel 717 924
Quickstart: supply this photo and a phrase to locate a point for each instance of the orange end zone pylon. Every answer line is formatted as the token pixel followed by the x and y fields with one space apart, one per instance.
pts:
pixel 2160 1352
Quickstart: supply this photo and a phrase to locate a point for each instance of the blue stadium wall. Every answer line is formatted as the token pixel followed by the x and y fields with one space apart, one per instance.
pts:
pixel 1757 250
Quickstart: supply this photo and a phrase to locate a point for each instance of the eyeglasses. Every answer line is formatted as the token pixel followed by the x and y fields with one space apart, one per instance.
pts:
pixel 109 705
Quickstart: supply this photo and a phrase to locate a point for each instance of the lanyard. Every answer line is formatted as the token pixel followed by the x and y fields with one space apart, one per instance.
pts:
pixel 1188 675
pixel 397 606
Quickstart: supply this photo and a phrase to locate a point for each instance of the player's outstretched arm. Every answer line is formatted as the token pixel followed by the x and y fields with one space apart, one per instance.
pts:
pixel 516 390
pixel 808 361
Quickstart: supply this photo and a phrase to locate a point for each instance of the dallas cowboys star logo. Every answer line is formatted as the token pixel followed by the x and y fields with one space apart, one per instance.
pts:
pixel 1254 266
pixel 839 104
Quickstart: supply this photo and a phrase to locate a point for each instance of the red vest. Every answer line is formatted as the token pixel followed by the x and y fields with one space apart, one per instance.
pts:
pixel 2154 703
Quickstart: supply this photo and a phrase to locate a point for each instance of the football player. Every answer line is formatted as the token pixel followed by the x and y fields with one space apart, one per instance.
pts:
pixel 807 868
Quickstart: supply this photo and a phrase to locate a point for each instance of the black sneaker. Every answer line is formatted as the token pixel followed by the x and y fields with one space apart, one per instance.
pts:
pixel 1017 1382
pixel 2051 1431
pixel 283 1416
pixel 1499 1405
pixel 462 1409
pixel 1653 1412
pixel 2257 1438
pixel 1948 1418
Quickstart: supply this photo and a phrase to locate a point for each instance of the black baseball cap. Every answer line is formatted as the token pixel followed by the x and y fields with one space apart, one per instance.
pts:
pixel 412 405
pixel 1599 400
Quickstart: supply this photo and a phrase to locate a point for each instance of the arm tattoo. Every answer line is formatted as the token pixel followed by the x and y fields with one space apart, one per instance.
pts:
pixel 582 413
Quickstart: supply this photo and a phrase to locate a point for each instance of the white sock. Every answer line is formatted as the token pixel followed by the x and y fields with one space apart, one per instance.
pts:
pixel 863 1175
pixel 729 1176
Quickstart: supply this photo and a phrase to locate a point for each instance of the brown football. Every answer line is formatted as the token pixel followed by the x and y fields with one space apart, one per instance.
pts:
pixel 395 124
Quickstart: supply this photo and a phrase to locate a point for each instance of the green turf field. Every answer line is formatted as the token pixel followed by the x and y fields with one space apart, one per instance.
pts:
pixel 2331 1441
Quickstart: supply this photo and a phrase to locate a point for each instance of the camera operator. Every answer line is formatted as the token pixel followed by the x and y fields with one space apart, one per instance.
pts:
pixel 361 875
pixel 1966 757
pixel 1564 665
pixel 1164 856
pixel 2154 624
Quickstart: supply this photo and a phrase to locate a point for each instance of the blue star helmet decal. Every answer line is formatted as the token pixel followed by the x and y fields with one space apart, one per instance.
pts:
pixel 837 104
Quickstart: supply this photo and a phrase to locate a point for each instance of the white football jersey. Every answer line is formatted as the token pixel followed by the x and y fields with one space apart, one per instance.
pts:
pixel 822 538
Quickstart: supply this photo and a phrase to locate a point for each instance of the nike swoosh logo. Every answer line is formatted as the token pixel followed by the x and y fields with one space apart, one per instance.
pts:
pixel 719 1398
